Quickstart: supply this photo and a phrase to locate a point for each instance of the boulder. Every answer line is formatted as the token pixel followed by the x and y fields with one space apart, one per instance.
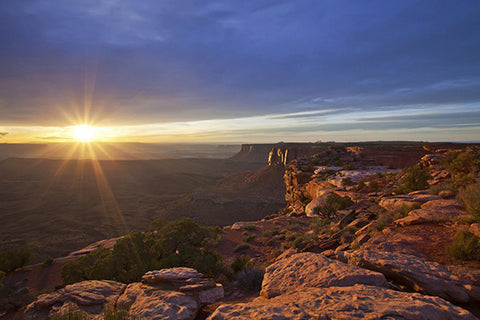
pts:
pixel 416 274
pixel 169 275
pixel 148 302
pixel 315 203
pixel 314 270
pixel 176 293
pixel 353 302
pixel 397 203
pixel 87 296
pixel 431 212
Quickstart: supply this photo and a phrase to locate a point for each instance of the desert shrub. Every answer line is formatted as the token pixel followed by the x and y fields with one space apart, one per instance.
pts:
pixel 250 279
pixel 470 196
pixel 179 243
pixel 270 242
pixel 250 227
pixel 347 181
pixel 439 187
pixel 271 233
pixel 241 248
pixel 333 203
pixel 383 220
pixel 249 238
pixel 241 263
pixel 117 313
pixel 318 224
pixel 348 234
pixel 462 167
pixel 15 258
pixel 414 178
pixel 465 246
pixel 48 262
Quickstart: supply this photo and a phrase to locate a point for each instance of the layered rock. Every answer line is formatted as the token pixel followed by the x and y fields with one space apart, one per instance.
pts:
pixel 416 274
pixel 314 270
pixel 176 293
pixel 309 286
pixel 354 302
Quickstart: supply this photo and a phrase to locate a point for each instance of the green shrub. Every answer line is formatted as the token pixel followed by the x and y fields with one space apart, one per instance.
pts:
pixel 318 224
pixel 250 227
pixel 333 203
pixel 465 246
pixel 15 258
pixel 181 243
pixel 470 196
pixel 47 262
pixel 249 238
pixel 250 279
pixel 241 263
pixel 414 179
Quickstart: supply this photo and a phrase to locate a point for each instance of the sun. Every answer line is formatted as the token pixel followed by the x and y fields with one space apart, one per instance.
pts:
pixel 84 133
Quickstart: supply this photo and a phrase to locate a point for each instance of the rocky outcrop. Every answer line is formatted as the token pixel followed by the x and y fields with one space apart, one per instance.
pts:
pixel 314 270
pixel 353 302
pixel 416 274
pixel 176 293
pixel 86 296
pixel 438 210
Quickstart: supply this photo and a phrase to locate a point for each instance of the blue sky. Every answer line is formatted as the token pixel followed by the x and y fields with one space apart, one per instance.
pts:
pixel 241 71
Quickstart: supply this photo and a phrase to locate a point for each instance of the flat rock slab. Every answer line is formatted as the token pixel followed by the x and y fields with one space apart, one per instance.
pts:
pixel 168 275
pixel 416 273
pixel 148 302
pixel 354 302
pixel 88 296
pixel 439 210
pixel 308 269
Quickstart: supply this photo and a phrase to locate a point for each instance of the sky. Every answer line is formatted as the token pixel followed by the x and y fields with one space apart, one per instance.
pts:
pixel 240 71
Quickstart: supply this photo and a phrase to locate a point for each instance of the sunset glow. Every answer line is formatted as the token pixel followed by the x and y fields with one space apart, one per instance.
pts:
pixel 84 133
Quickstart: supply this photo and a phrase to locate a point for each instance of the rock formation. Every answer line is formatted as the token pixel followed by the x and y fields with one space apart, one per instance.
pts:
pixel 176 293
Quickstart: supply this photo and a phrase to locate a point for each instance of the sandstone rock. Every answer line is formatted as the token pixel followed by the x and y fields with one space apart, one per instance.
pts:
pixel 363 238
pixel 354 302
pixel 286 254
pixel 87 296
pixel 444 203
pixel 147 302
pixel 168 275
pixel 211 295
pixel 422 198
pixel 431 213
pixel 314 270
pixel 176 293
pixel 315 203
pixel 447 194
pixel 239 225
pixel 395 203
pixel 417 274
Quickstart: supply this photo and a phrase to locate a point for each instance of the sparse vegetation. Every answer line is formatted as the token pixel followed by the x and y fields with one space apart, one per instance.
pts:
pixel 318 224
pixel 241 248
pixel 117 313
pixel 15 258
pixel 470 196
pixel 241 263
pixel 249 238
pixel 250 279
pixel 414 178
pixel 333 203
pixel 47 262
pixel 465 246
pixel 179 243
pixel 250 227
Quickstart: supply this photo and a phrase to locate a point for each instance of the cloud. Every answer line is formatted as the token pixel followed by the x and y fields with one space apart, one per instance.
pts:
pixel 130 62
pixel 3 134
